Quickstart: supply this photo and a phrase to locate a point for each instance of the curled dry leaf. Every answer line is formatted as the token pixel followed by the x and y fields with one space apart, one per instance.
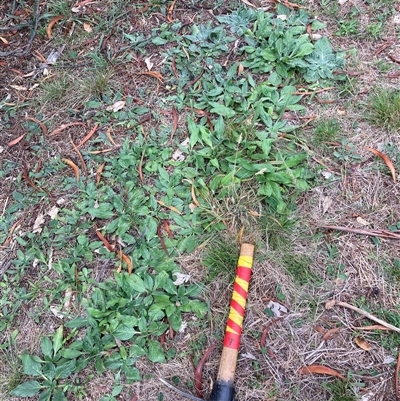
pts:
pixel 52 23
pixel 173 208
pixel 330 333
pixel 73 166
pixel 321 370
pixel 363 344
pixel 10 233
pixel 63 127
pixel 99 171
pixel 88 136
pixel 126 259
pixel 385 159
pixel 154 74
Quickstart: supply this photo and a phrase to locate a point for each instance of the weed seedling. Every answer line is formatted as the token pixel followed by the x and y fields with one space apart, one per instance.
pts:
pixel 384 110
pixel 327 130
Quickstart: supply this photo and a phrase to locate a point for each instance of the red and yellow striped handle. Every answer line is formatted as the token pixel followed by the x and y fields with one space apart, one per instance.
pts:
pixel 223 389
pixel 239 297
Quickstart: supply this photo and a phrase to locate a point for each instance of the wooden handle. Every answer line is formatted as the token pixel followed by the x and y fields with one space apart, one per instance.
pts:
pixel 227 366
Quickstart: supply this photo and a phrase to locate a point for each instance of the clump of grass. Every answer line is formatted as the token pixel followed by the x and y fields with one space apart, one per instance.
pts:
pixel 384 110
pixel 221 259
pixel 11 373
pixel 340 390
pixel 298 266
pixel 327 130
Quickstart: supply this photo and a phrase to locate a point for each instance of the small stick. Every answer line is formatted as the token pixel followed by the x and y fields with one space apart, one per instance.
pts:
pixel 373 233
pixel 332 303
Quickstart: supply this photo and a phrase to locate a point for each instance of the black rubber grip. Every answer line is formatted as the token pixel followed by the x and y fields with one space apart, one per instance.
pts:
pixel 222 392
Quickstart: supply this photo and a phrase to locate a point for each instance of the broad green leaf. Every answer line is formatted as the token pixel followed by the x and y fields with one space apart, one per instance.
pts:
pixel 104 211
pixel 58 395
pixel 58 339
pixel 221 110
pixel 45 395
pixel 151 225
pixel 78 322
pixel 135 282
pixel 31 364
pixel 124 332
pixel 27 389
pixel 116 390
pixel 46 346
pixel 64 369
pixel 156 353
pixel 68 353
pixel 132 374
pixel 159 41
pixel 194 132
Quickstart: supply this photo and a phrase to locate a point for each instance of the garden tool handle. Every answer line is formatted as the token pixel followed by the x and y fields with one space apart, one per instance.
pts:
pixel 223 389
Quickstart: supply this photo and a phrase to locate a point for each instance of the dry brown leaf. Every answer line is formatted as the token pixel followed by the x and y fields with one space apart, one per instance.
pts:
pixel 362 221
pixel 52 23
pixel 16 140
pixel 194 198
pixel 321 370
pixel 175 118
pixel 363 344
pixel 254 214
pixel 385 159
pixel 63 127
pixel 330 333
pixel 170 11
pixel 103 239
pixel 99 171
pixel 127 260
pixel 73 166
pixel 173 208
pixel 4 40
pixel 10 233
pixel 88 136
pixel 97 152
pixel 154 74
pixel 240 234
pixel 140 168
pixel 79 155
pixel 108 133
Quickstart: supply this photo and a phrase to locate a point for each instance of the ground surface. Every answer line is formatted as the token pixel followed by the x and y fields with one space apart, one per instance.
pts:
pixel 147 184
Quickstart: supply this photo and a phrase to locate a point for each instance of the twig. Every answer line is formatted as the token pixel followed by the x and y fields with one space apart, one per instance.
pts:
pixel 33 34
pixel 373 233
pixel 332 303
